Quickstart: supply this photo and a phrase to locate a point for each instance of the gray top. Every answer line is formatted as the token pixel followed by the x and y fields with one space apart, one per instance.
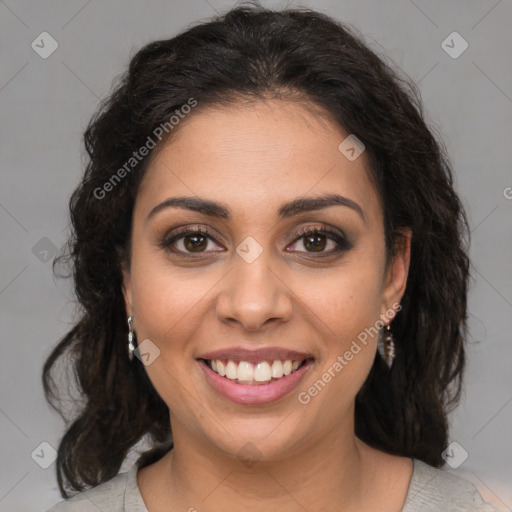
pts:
pixel 430 490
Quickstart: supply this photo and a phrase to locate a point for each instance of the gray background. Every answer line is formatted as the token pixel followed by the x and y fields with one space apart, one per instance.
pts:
pixel 46 104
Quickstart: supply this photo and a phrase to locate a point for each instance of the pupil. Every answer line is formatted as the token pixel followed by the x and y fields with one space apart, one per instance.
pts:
pixel 314 242
pixel 317 246
pixel 195 244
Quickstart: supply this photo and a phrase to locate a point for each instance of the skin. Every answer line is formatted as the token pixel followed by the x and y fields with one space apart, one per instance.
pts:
pixel 253 158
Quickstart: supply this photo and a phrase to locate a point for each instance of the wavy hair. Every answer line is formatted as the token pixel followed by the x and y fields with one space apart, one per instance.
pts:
pixel 253 53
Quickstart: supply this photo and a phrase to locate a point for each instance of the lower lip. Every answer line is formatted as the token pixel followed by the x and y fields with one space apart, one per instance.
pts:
pixel 257 394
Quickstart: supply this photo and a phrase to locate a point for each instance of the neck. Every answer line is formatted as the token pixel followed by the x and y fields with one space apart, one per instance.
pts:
pixel 197 475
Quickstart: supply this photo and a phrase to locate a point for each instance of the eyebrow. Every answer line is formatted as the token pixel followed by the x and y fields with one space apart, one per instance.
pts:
pixel 289 209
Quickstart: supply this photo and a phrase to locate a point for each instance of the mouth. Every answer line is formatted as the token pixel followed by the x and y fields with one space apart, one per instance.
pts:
pixel 254 374
pixel 251 379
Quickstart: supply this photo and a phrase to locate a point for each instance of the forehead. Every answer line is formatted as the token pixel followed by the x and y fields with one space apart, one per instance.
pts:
pixel 255 157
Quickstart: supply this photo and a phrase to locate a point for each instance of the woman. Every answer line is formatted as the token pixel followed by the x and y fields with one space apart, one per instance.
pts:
pixel 267 224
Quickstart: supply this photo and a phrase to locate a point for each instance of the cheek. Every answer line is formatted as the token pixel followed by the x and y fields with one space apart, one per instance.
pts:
pixel 163 299
pixel 350 299
pixel 350 307
pixel 166 306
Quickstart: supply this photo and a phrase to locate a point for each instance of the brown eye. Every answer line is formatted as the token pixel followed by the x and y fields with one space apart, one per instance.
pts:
pixel 195 243
pixel 316 240
pixel 316 243
pixel 188 241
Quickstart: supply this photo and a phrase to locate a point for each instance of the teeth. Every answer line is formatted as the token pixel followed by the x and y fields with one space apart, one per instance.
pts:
pixel 277 369
pixel 245 371
pixel 231 370
pixel 262 372
pixel 249 373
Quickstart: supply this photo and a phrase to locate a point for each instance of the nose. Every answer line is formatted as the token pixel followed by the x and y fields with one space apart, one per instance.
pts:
pixel 254 294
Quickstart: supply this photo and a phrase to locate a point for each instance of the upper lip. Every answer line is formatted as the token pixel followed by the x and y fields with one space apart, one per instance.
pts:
pixel 256 355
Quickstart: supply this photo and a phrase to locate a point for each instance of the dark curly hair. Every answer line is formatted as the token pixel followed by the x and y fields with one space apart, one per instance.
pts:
pixel 252 53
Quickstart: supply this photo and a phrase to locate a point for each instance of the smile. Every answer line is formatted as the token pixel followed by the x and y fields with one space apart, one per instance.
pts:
pixel 254 383
pixel 244 372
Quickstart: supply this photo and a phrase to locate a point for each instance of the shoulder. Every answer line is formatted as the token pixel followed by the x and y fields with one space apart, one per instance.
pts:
pixel 111 496
pixel 432 489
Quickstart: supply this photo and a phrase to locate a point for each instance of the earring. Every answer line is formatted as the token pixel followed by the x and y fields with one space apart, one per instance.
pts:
pixel 131 347
pixel 386 346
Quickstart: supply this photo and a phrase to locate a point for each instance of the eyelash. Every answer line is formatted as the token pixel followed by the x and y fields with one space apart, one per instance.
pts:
pixel 341 241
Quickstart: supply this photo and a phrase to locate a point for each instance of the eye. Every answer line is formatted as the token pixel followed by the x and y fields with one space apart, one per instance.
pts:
pixel 188 240
pixel 315 240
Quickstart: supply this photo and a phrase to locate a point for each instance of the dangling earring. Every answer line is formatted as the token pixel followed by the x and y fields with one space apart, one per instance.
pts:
pixel 131 347
pixel 386 346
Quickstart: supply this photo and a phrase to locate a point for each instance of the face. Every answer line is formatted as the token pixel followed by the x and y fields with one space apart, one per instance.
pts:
pixel 257 275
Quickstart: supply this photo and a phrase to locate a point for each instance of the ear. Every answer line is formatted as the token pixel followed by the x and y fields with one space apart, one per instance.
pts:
pixel 127 288
pixel 397 272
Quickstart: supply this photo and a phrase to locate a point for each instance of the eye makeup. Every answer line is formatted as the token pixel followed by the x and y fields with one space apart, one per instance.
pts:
pixel 198 235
